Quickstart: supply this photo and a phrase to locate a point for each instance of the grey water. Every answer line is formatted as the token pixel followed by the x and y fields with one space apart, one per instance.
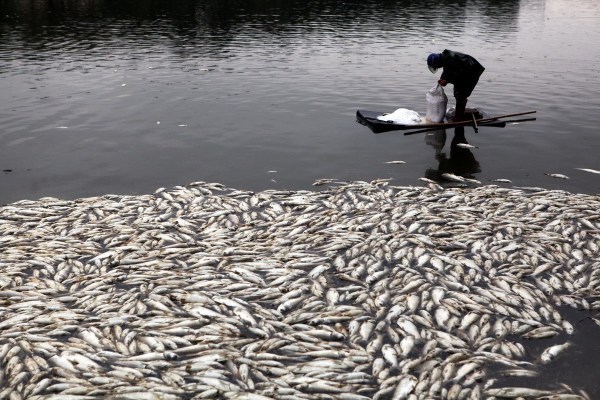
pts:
pixel 124 97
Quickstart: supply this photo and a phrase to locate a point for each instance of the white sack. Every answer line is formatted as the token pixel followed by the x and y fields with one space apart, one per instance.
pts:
pixel 436 104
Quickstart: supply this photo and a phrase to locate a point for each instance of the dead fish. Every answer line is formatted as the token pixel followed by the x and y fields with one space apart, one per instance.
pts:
pixel 593 171
pixel 516 392
pixel 558 176
pixel 361 290
pixel 404 387
pixel 553 352
pixel 452 177
pixel 323 181
pixel 466 146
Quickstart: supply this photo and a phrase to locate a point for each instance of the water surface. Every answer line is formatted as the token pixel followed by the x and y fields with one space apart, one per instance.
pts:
pixel 122 97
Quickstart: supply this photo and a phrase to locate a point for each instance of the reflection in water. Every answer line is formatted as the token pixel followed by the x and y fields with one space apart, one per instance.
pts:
pixel 192 26
pixel 461 161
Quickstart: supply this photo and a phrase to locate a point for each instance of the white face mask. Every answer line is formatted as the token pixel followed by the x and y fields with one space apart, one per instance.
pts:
pixel 433 70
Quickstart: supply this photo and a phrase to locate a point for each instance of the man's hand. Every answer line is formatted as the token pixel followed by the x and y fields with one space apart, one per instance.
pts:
pixel 442 82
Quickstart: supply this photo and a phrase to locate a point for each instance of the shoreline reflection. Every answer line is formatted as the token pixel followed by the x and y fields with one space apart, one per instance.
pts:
pixel 460 161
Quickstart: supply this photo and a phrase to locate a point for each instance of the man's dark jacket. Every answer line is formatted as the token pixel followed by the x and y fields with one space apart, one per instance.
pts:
pixel 461 70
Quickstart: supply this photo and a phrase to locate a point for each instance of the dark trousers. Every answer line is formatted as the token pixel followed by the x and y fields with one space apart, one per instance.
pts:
pixel 462 91
pixel 461 105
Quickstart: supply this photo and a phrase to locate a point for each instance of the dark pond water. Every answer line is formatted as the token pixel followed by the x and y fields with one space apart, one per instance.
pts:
pixel 241 88
pixel 102 96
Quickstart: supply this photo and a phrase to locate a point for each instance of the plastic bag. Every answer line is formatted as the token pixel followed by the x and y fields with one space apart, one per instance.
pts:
pixel 402 116
pixel 451 112
pixel 436 104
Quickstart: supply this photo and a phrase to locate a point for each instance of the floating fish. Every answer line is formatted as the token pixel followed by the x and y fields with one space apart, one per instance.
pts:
pixel 452 177
pixel 554 351
pixel 593 171
pixel 361 290
pixel 423 179
pixel 558 176
pixel 324 181
pixel 466 146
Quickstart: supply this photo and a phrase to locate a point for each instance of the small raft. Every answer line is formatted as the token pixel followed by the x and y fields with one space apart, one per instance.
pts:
pixel 373 120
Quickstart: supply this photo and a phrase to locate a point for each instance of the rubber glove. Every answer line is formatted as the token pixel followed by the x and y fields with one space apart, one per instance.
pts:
pixel 442 82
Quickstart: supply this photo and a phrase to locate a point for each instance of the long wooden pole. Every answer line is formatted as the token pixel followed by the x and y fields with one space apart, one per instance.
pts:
pixel 499 124
pixel 465 123
pixel 462 123
pixel 425 127
pixel 474 122
pixel 504 116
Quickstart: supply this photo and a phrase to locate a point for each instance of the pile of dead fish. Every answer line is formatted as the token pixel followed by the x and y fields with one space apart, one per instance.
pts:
pixel 361 290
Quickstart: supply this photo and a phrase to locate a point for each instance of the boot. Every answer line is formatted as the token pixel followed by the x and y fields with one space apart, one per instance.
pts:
pixel 461 106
